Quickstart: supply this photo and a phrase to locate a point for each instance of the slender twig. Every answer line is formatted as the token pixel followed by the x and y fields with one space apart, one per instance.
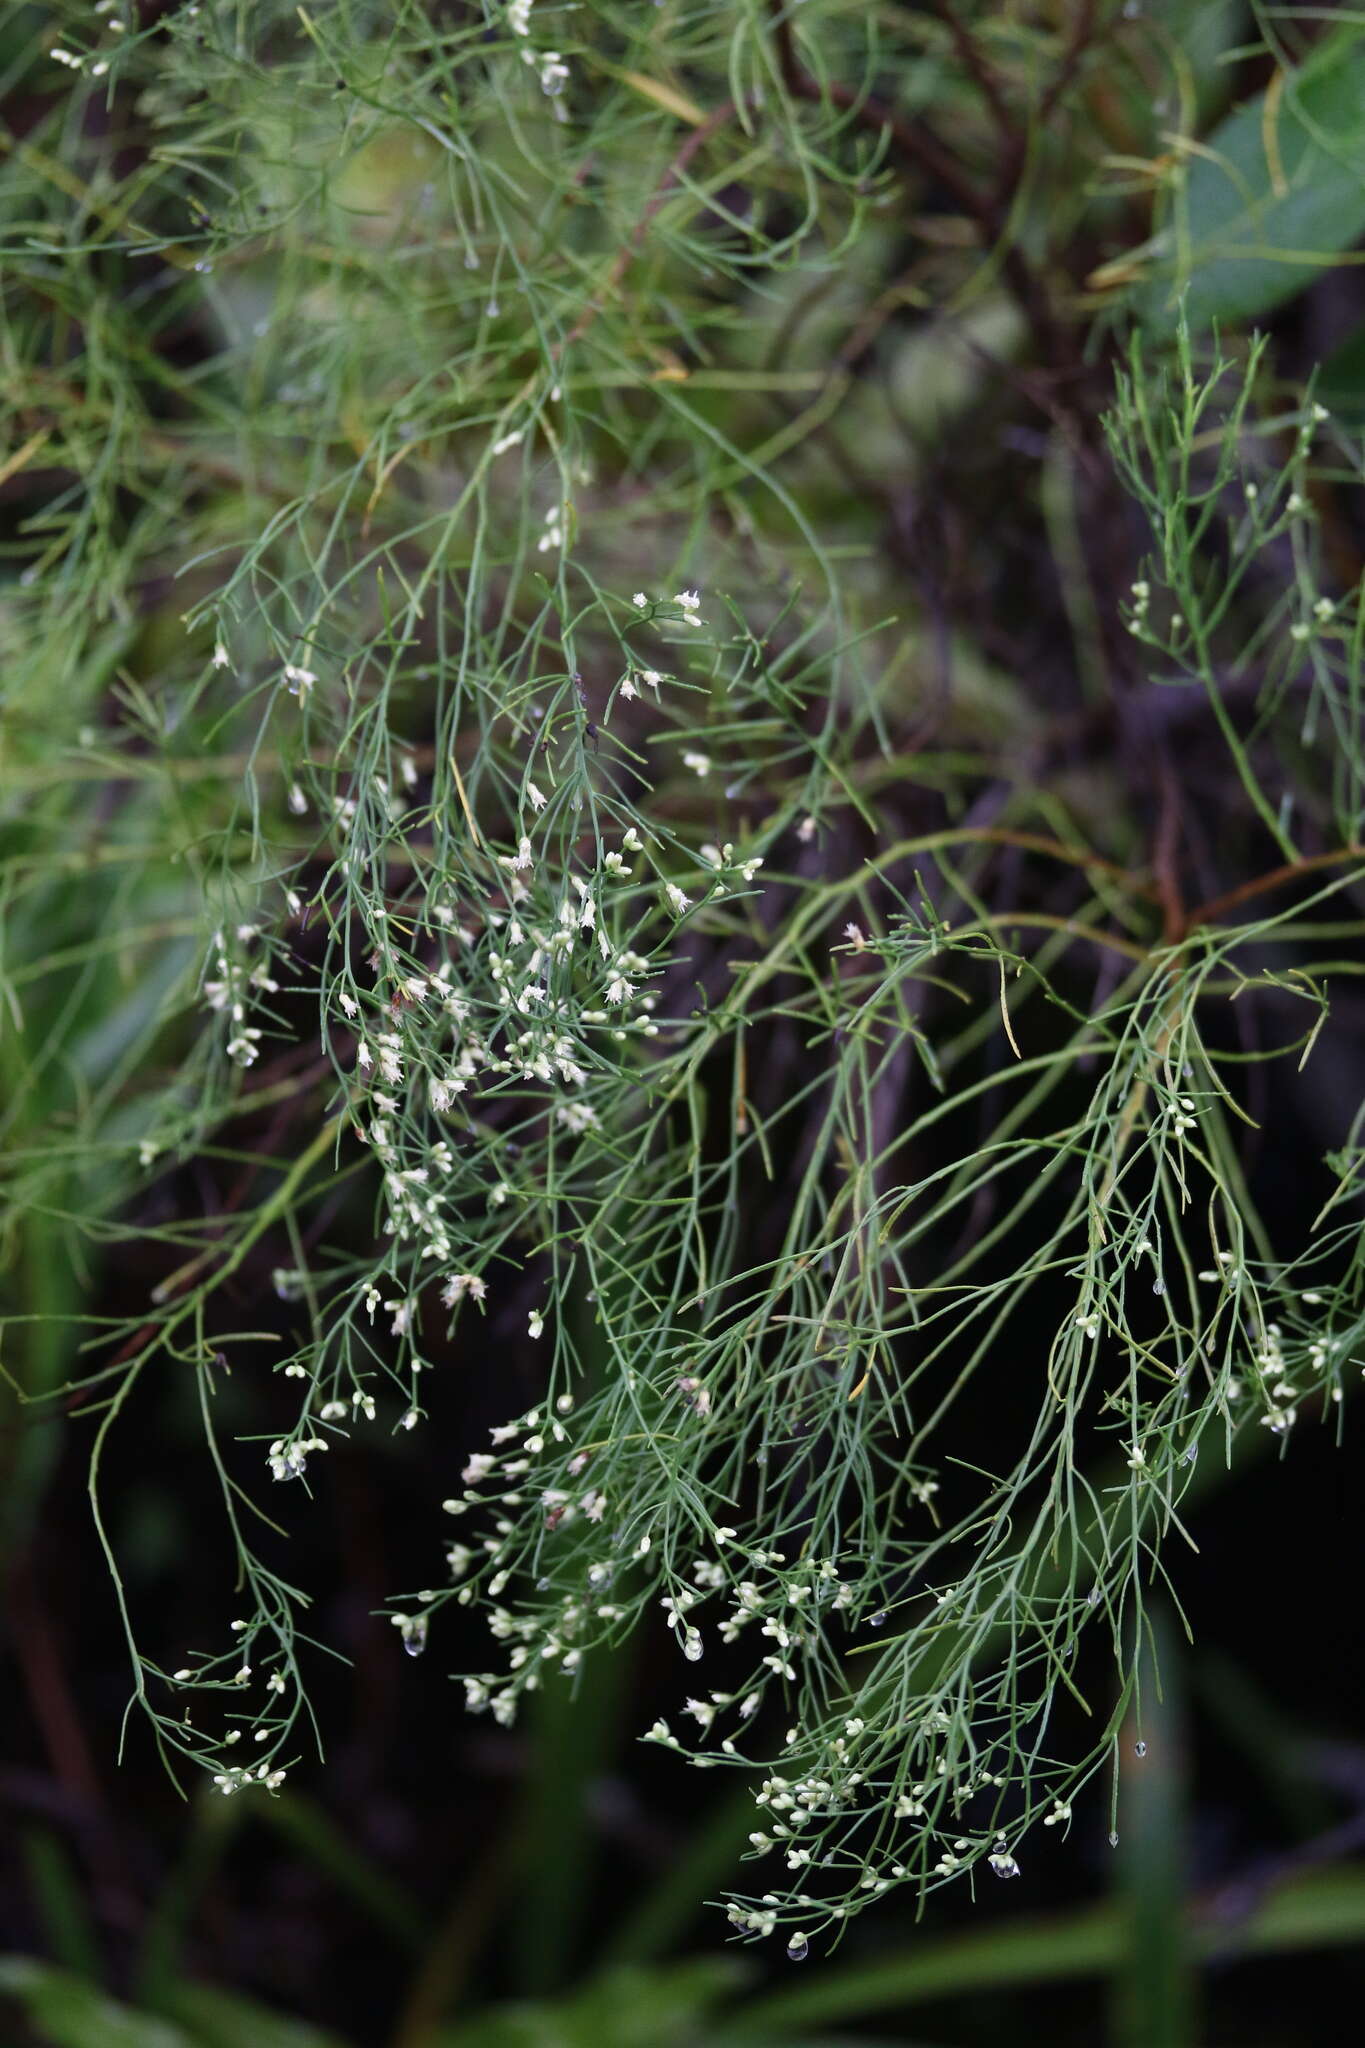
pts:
pixel 1291 871
pixel 630 248
pixel 918 144
pixel 981 71
pixel 1082 33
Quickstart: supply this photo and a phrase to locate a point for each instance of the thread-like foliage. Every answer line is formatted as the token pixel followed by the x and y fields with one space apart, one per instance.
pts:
pixel 460 463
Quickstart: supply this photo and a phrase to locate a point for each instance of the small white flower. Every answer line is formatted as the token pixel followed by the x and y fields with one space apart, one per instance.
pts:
pixel 535 1323
pixel 689 600
pixel 678 901
pixel 700 764
pixel 535 797
pixel 640 601
pixel 220 655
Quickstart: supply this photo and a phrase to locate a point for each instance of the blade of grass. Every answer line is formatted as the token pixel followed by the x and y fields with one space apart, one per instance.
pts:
pixel 59 1899
pixel 1155 1986
pixel 317 1838
pixel 1325 1909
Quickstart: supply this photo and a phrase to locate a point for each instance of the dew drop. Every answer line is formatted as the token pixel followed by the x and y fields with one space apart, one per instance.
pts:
pixel 877 1621
pixel 798 1948
pixel 1113 1841
pixel 414 1645
pixel 1139 1749
pixel 1158 1287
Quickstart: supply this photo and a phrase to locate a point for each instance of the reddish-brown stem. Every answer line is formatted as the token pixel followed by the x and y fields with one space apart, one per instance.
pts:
pixel 1082 32
pixel 629 249
pixel 1292 871
pixel 916 142
pixel 982 74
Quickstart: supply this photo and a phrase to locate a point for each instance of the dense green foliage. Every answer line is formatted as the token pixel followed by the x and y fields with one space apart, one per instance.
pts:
pixel 683 743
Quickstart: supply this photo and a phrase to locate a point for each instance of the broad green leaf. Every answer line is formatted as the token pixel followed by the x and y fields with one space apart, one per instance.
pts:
pixel 625 2008
pixel 1270 198
pixel 223 2019
pixel 1320 1909
pixel 69 2013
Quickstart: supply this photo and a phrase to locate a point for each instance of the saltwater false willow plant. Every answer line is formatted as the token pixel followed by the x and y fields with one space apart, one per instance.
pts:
pixel 783 1051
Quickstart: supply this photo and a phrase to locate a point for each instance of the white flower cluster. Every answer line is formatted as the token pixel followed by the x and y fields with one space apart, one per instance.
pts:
pixel 548 65
pixel 504 1477
pixel 1278 1392
pixel 79 60
pixel 229 990
pixel 232 1781
pixel 728 866
pixel 522 1000
pixel 288 1458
